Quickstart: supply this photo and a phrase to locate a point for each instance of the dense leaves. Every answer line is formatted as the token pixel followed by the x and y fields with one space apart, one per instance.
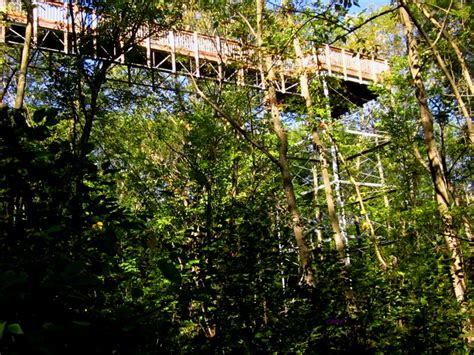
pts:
pixel 165 229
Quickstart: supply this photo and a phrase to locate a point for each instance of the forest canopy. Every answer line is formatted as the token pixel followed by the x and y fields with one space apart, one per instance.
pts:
pixel 236 177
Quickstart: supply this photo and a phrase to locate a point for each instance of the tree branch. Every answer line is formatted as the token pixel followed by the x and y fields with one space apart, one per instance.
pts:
pixel 234 123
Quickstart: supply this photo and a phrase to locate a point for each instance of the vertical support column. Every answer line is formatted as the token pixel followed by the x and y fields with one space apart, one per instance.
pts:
pixel 240 71
pixel 340 201
pixel 359 67
pixel 220 55
pixel 173 51
pixel 263 77
pixel 315 59
pixel 373 74
pixel 94 25
pixel 241 77
pixel 328 59
pixel 381 175
pixel 148 52
pixel 283 84
pixel 122 53
pixel 76 27
pixel 3 28
pixel 281 251
pixel 344 64
pixel 196 53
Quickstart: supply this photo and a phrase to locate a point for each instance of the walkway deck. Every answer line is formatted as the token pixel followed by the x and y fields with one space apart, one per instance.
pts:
pixel 183 52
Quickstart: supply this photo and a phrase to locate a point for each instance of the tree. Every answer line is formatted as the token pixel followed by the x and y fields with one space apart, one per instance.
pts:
pixel 449 77
pixel 191 219
pixel 436 167
pixel 25 55
pixel 271 100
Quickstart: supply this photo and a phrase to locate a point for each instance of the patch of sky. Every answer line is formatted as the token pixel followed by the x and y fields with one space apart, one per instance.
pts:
pixel 369 5
pixel 364 5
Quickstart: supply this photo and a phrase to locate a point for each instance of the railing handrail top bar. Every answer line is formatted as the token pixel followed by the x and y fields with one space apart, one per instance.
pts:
pixel 237 42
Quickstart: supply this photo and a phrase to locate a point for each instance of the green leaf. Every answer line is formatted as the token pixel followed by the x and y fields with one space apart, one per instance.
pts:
pixel 39 115
pixel 48 326
pixel 169 271
pixel 14 329
pixel 12 278
pixel 468 335
pixel 73 268
pixel 81 323
pixel 2 329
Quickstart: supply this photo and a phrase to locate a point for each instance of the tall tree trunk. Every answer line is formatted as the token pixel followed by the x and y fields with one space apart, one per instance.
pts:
pixel 25 55
pixel 317 210
pixel 451 41
pixel 304 86
pixel 338 236
pixel 444 67
pixel 270 100
pixel 436 168
pixel 331 206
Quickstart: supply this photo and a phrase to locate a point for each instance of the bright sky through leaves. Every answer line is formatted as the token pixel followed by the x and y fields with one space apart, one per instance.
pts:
pixel 370 4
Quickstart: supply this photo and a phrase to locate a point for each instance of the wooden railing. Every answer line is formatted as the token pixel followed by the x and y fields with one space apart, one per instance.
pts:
pixel 348 65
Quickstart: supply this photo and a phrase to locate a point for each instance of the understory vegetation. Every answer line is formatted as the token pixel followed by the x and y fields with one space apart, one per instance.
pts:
pixel 149 214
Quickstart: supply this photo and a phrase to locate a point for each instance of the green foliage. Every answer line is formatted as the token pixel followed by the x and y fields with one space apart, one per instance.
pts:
pixel 63 245
pixel 167 232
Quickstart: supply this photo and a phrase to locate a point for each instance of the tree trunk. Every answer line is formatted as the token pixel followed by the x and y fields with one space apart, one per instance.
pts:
pixel 338 236
pixel 442 64
pixel 270 100
pixel 451 41
pixel 436 168
pixel 331 206
pixel 367 224
pixel 25 55
pixel 317 211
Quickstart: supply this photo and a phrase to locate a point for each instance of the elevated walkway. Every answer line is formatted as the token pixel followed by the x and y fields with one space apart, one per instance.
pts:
pixel 180 52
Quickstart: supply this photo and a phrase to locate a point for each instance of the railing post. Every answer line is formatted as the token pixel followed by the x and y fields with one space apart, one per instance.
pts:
pixel 173 51
pixel 240 71
pixel 359 67
pixel 148 52
pixel 35 22
pixel 94 26
pixel 77 27
pixel 328 59
pixel 283 83
pixel 344 64
pixel 122 53
pixel 66 27
pixel 3 28
pixel 196 53
pixel 219 60
pixel 315 59
pixel 372 69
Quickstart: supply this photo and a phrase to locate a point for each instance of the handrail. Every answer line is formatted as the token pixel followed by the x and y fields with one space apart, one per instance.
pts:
pixel 330 58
